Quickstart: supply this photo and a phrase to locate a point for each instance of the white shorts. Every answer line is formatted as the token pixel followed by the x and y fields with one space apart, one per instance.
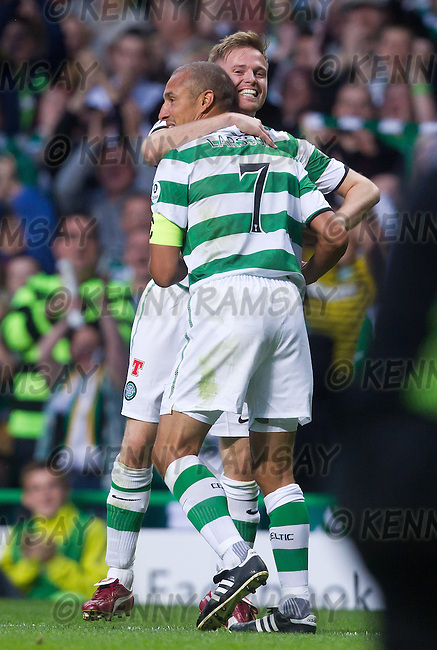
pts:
pixel 246 342
pixel 232 425
pixel 158 335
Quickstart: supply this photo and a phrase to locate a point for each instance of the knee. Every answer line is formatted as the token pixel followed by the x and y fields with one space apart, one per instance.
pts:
pixel 138 441
pixel 270 478
pixel 164 454
pixel 237 460
pixel 239 472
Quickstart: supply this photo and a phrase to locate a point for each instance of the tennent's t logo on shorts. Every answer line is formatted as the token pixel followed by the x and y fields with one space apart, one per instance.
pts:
pixel 136 367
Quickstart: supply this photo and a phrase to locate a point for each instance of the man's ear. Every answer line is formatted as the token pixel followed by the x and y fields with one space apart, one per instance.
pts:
pixel 206 101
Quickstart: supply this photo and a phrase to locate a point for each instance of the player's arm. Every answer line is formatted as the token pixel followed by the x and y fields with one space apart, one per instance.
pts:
pixel 360 195
pixel 329 230
pixel 330 175
pixel 166 263
pixel 332 240
pixel 160 142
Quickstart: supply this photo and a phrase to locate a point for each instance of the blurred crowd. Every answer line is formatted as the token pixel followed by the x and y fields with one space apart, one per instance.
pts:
pixel 81 86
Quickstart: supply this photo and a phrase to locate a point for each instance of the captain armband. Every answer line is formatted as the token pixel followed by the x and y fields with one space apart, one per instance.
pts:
pixel 165 232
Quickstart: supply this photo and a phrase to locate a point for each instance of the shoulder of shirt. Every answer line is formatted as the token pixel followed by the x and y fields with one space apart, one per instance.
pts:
pixel 160 124
pixel 278 136
pixel 274 134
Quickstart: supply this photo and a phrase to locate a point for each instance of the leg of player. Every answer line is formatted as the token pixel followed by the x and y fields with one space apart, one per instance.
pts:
pixel 127 502
pixel 241 489
pixel 242 496
pixel 157 334
pixel 203 500
pixel 289 532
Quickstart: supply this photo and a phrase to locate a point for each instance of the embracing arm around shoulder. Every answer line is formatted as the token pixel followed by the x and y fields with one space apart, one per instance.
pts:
pixel 158 144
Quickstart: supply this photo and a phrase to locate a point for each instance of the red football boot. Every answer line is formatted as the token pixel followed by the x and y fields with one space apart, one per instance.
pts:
pixel 110 599
pixel 243 613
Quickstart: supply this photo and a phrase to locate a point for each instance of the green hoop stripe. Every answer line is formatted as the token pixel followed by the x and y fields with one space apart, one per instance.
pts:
pixel 274 259
pixel 121 519
pixel 295 559
pixel 207 511
pixel 290 514
pixel 246 529
pixel 189 477
pixel 144 488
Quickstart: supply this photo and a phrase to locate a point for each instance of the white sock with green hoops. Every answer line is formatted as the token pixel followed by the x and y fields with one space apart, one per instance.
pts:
pixel 127 502
pixel 242 499
pixel 289 537
pixel 203 500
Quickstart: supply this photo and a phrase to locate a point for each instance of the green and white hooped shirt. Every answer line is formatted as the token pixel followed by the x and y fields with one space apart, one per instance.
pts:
pixel 241 203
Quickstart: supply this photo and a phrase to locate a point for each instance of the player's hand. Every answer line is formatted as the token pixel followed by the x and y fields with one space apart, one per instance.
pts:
pixel 252 126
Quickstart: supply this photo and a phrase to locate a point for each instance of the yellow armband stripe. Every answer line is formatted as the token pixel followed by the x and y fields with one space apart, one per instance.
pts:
pixel 165 232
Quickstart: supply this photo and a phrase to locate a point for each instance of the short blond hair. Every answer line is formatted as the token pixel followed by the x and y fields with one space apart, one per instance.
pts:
pixel 233 42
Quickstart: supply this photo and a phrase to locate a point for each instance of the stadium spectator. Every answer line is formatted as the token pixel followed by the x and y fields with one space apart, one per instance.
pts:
pixel 58 548
pixel 128 80
pixel 136 257
pixel 83 414
pixel 60 104
pixel 394 50
pixel 359 26
pixel 107 21
pixel 35 212
pixel 136 214
pixel 402 75
pixel 360 148
pixel 12 238
pixel 18 271
pixel 37 309
pixel 177 30
pixel 116 176
pixel 298 96
pixel 307 53
pixel 99 181
pixel 26 38
pixel 397 104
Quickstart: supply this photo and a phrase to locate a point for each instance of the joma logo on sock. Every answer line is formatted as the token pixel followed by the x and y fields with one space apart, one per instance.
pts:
pixel 286 537
pixel 216 486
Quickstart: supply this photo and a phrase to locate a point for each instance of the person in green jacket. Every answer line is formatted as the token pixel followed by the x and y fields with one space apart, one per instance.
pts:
pixel 59 549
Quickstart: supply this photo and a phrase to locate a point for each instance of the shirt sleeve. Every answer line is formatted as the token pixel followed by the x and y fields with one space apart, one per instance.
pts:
pixel 160 124
pixel 170 191
pixel 326 173
pixel 312 201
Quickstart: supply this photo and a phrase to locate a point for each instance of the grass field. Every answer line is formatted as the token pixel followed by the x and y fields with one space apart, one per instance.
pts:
pixel 28 624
